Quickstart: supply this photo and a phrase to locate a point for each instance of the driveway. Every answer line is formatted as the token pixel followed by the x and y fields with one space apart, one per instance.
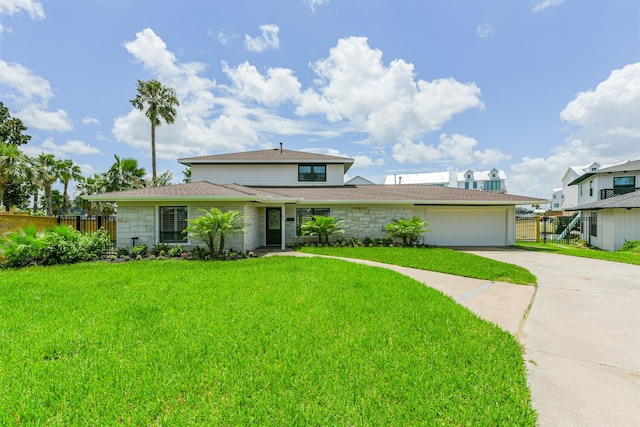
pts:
pixel 581 338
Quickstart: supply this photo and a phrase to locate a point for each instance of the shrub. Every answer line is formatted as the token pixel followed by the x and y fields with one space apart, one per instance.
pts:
pixel 630 246
pixel 213 227
pixel 160 247
pixel 58 245
pixel 407 229
pixel 139 251
pixel 123 252
pixel 175 251
pixel 323 227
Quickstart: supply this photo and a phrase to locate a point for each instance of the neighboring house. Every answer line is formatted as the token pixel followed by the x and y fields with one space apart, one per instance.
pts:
pixel 612 221
pixel 610 198
pixel 557 199
pixel 358 180
pixel 279 190
pixel 490 180
pixel 570 194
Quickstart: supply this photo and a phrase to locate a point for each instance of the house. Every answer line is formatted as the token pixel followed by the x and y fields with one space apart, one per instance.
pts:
pixel 490 180
pixel 557 200
pixel 610 199
pixel 569 195
pixel 358 180
pixel 279 190
pixel 611 221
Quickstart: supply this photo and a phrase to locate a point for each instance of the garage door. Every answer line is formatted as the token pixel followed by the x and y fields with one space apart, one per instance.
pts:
pixel 467 226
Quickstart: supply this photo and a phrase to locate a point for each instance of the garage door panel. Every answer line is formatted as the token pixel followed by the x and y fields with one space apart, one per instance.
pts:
pixel 467 226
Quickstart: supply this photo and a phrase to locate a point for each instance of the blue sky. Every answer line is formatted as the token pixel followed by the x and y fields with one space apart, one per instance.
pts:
pixel 531 87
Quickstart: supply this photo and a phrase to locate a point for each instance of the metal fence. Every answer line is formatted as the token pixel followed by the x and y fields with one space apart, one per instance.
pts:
pixel 566 229
pixel 87 224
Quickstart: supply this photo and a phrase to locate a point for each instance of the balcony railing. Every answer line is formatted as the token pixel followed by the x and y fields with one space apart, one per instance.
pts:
pixel 607 193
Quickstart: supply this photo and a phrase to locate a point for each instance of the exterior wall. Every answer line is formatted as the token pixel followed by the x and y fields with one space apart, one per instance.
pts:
pixel 570 192
pixel 260 174
pixel 360 221
pixel 254 226
pixel 614 227
pixel 136 221
pixel 600 182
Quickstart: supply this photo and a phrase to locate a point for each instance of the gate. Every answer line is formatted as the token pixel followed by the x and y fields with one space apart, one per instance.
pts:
pixel 87 224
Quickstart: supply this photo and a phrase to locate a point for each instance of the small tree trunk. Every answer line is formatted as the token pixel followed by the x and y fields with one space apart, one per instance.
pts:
pixel 153 154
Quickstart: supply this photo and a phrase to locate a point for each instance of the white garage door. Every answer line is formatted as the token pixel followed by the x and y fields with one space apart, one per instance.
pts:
pixel 467 226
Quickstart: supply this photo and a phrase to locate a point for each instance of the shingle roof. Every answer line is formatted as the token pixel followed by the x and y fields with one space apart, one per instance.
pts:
pixel 374 194
pixel 628 166
pixel 629 200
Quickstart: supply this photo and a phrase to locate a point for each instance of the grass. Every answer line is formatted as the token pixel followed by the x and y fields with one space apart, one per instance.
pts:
pixel 627 257
pixel 269 341
pixel 434 259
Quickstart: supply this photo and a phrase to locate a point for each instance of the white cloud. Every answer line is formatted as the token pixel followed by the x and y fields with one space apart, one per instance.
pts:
pixel 267 40
pixel 74 147
pixel 485 30
pixel 12 7
pixel 315 3
pixel 456 148
pixel 31 94
pixel 279 86
pixel 90 121
pixel 386 102
pixel 543 4
pixel 606 129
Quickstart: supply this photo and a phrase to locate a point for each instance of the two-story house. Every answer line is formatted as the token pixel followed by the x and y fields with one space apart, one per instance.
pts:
pixel 278 190
pixel 610 199
pixel 490 180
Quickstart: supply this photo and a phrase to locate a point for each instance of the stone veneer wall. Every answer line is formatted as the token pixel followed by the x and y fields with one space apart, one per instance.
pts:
pixel 360 221
pixel 136 221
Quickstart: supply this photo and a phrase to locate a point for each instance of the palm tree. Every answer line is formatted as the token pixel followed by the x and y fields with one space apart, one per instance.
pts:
pixel 124 174
pixel 88 186
pixel 160 103
pixel 12 166
pixel 47 173
pixel 323 226
pixel 407 229
pixel 68 171
pixel 213 227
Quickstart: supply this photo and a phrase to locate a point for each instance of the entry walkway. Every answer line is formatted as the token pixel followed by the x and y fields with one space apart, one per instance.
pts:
pixel 581 334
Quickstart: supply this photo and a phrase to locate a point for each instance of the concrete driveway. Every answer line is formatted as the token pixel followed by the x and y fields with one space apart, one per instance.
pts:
pixel 582 338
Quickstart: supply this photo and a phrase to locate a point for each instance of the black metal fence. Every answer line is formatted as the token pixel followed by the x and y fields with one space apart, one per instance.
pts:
pixel 87 224
pixel 566 229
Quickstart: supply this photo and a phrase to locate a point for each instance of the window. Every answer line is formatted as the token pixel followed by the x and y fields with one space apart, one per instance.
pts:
pixel 305 214
pixel 312 172
pixel 466 185
pixel 624 181
pixel 173 219
pixel 475 184
pixel 590 188
pixel 580 187
pixel 492 185
pixel 594 224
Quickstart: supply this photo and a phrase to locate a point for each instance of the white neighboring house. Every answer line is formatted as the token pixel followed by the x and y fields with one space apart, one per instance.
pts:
pixel 610 198
pixel 279 190
pixel 358 180
pixel 493 180
pixel 557 199
pixel 569 194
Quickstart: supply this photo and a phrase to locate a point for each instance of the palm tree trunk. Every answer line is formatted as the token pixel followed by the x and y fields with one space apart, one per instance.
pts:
pixel 35 202
pixel 65 199
pixel 47 195
pixel 153 153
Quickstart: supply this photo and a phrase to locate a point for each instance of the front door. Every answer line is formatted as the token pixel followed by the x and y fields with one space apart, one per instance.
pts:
pixel 274 224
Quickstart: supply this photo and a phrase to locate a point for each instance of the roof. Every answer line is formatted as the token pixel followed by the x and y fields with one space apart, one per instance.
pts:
pixel 359 180
pixel 480 175
pixel 271 156
pixel 628 166
pixel 347 194
pixel 625 201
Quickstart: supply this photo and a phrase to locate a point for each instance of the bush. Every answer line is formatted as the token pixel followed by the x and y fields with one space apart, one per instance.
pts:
pixel 58 245
pixel 160 247
pixel 630 246
pixel 139 251
pixel 175 251
pixel 123 252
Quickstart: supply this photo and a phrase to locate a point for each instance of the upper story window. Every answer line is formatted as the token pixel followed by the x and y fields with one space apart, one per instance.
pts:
pixel 173 220
pixel 492 185
pixel 624 181
pixel 590 188
pixel 312 173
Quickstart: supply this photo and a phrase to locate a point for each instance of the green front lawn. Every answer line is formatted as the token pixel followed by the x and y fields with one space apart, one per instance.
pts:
pixel 270 341
pixel 433 259
pixel 627 257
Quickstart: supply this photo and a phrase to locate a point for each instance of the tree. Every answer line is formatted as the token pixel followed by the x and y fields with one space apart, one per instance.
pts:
pixel 214 226
pixel 159 103
pixel 46 171
pixel 67 171
pixel 164 178
pixel 323 227
pixel 12 166
pixel 186 175
pixel 88 186
pixel 124 174
pixel 11 129
pixel 407 229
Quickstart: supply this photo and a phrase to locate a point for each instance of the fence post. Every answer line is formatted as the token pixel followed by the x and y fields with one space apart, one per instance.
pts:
pixel 544 229
pixel 99 223
pixel 537 230
pixel 78 223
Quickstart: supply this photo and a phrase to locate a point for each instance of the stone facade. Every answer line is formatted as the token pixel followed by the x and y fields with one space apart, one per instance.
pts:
pixel 136 221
